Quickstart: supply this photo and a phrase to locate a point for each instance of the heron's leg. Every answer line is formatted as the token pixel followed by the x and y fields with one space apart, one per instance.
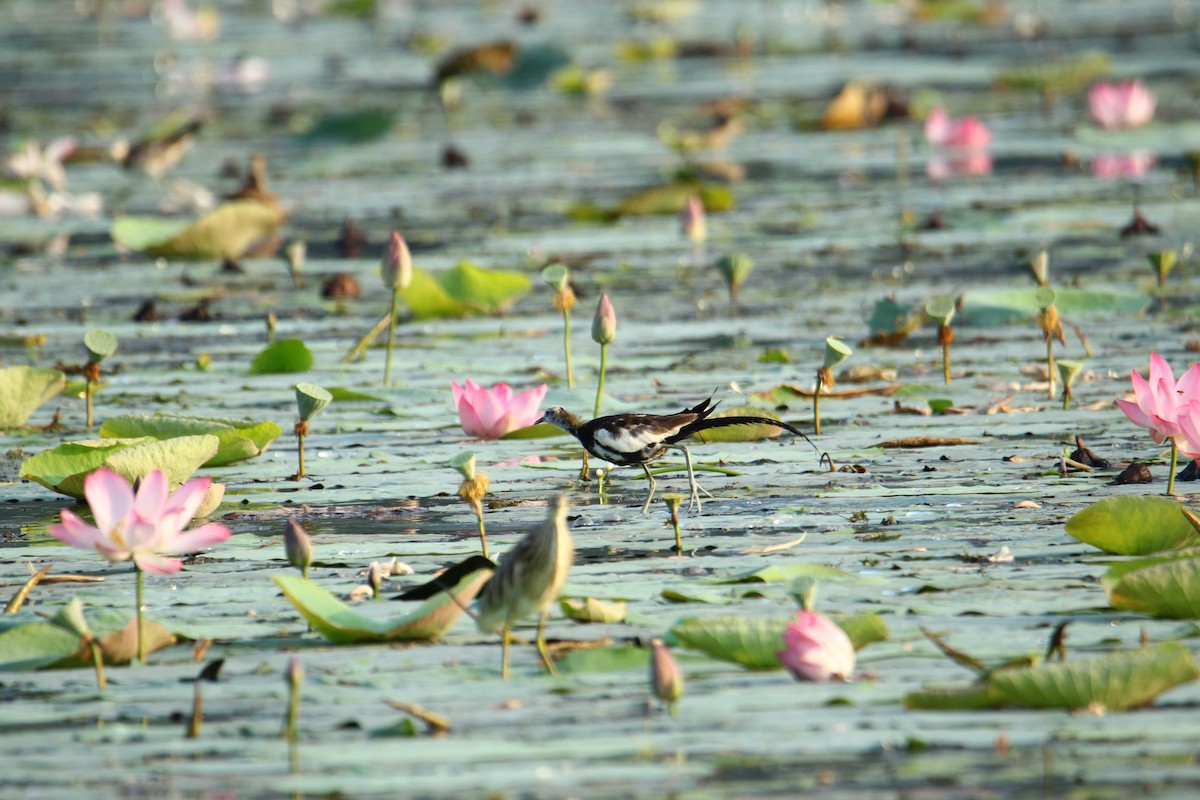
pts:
pixel 504 636
pixel 650 494
pixel 541 644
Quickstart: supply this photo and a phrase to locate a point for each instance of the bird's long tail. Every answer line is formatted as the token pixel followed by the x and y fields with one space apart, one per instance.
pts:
pixel 724 422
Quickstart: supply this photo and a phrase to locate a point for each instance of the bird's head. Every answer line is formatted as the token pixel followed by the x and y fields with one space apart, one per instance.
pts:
pixel 559 417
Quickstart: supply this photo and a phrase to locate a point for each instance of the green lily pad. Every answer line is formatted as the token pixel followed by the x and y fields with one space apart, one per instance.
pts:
pixel 344 395
pixel 140 233
pixel 342 624
pixel 462 290
pixel 282 356
pixel 485 290
pixel 353 127
pixel 1114 681
pixel 239 439
pixel 63 468
pixel 997 307
pixel 1133 525
pixel 786 573
pixel 670 199
pixel 1111 682
pixel 605 659
pixel 589 609
pixel 1162 587
pixel 755 643
pixel 62 642
pixel 23 389
pixel 226 232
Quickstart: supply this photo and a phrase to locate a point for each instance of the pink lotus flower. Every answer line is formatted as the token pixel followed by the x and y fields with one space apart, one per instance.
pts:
pixel 816 649
pixel 1162 403
pixel 964 133
pixel 147 527
pixel 1122 165
pixel 1128 104
pixel 491 413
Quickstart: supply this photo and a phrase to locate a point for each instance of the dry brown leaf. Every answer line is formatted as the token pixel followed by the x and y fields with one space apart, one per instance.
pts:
pixel 926 441
pixel 772 548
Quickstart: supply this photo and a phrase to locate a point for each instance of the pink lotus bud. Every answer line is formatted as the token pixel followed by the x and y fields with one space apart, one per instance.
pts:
pixel 816 649
pixel 1128 104
pixel 604 324
pixel 665 678
pixel 692 220
pixel 964 133
pixel 297 546
pixel 397 263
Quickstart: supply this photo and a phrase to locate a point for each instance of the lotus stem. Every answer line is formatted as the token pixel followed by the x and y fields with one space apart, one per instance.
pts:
pixel 945 336
pixel 567 346
pixel 817 406
pixel 482 533
pixel 1066 396
pixel 1050 366
pixel 387 362
pixel 300 454
pixel 141 618
pixel 1171 474
pixel 98 664
pixel 600 382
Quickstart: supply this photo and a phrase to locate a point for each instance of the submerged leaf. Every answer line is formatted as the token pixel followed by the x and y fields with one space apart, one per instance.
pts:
pixel 1133 525
pixel 238 439
pixel 339 623
pixel 23 389
pixel 785 573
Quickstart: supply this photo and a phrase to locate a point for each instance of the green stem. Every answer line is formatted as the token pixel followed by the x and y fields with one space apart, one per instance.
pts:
pixel 678 538
pixel 817 407
pixel 141 618
pixel 293 712
pixel 1066 396
pixel 387 362
pixel 567 347
pixel 1174 463
pixel 300 452
pixel 600 383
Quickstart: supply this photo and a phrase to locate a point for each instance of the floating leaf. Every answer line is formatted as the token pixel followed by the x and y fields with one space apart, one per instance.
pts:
pixel 486 290
pixel 353 127
pixel 589 609
pixel 605 659
pixel 238 439
pixel 63 468
pixel 752 643
pixel 973 697
pixel 1162 587
pixel 1133 525
pixel 742 433
pixel 693 594
pixel 343 395
pixel 311 400
pixel 786 573
pixel 140 233
pixel 1114 681
pixel 38 644
pixel 863 629
pixel 339 623
pixel 282 356
pixel 226 232
pixel 63 642
pixel 23 389
pixel 462 290
pixel 1069 74
pixel 891 321
pixel 996 307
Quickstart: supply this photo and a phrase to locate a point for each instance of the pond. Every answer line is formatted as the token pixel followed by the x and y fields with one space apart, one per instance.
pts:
pixel 947 517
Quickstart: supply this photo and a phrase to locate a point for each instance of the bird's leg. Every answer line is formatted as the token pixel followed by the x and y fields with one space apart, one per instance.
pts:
pixel 541 644
pixel 650 495
pixel 583 471
pixel 504 635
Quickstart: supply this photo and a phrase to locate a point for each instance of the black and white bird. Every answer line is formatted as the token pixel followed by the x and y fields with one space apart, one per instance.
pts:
pixel 640 439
